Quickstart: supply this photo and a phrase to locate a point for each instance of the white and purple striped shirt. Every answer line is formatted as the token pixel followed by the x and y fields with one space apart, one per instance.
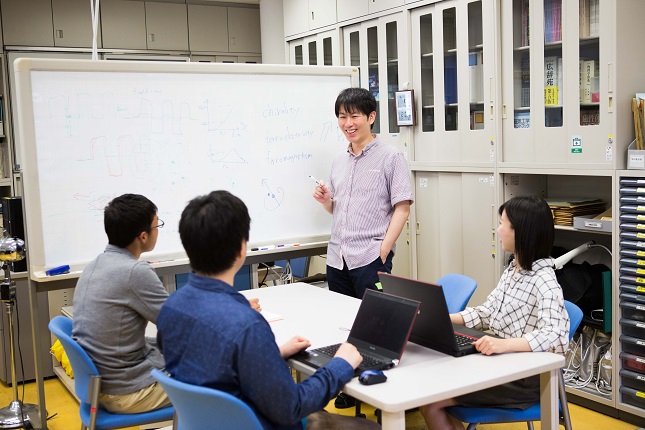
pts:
pixel 365 188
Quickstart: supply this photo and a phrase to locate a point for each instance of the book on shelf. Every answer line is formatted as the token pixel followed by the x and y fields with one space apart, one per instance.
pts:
pixel 476 74
pixel 552 21
pixel 553 118
pixel 450 79
pixel 522 119
pixel 551 80
pixel 590 116
pixel 589 12
pixel 449 32
pixel 477 120
pixel 525 81
pixel 589 81
pixel 583 14
pixel 594 18
pixel 524 13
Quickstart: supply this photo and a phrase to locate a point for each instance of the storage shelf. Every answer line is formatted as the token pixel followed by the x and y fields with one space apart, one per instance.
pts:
pixel 66 380
pixel 591 394
pixel 569 228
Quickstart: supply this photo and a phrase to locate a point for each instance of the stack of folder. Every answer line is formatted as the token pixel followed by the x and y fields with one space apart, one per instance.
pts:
pixel 565 209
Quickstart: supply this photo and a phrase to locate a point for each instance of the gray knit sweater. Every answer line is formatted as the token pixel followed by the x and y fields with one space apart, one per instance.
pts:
pixel 114 299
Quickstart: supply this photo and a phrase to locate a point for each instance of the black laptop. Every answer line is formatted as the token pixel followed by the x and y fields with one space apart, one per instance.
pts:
pixel 380 332
pixel 433 328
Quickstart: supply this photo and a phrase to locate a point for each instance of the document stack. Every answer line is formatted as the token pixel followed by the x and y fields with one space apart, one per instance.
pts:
pixel 564 210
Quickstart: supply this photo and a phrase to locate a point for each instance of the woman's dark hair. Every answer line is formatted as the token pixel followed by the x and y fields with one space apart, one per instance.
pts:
pixel 532 220
pixel 126 217
pixel 355 100
pixel 212 229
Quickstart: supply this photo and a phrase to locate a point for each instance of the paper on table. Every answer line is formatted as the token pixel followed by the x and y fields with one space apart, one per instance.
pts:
pixel 270 317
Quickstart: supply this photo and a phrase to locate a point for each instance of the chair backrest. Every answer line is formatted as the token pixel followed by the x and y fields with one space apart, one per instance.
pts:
pixel 457 289
pixel 575 317
pixel 196 405
pixel 299 266
pixel 81 363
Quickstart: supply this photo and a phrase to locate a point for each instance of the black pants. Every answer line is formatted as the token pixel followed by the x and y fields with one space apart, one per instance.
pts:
pixel 354 282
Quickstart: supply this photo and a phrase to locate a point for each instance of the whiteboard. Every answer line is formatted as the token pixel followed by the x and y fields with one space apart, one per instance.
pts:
pixel 92 130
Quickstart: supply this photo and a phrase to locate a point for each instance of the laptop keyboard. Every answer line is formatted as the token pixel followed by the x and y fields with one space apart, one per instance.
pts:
pixel 463 340
pixel 367 363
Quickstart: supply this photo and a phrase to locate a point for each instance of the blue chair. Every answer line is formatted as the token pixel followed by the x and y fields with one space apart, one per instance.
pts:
pixel 87 385
pixel 457 289
pixel 476 416
pixel 206 408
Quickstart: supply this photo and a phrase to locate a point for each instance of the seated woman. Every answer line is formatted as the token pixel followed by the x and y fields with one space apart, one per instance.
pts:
pixel 526 310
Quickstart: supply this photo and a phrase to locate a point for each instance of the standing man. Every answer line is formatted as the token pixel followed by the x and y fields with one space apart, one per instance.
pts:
pixel 114 299
pixel 369 196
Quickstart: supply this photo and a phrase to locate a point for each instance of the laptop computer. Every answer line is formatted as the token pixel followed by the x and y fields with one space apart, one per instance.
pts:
pixel 380 332
pixel 433 328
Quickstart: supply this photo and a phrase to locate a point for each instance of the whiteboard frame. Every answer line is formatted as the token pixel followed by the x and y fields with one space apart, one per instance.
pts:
pixel 26 133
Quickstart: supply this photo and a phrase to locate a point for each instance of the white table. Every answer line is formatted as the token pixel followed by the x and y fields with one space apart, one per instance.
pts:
pixel 423 376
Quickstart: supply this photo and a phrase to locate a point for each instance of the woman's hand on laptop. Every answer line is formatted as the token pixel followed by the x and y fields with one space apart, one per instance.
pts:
pixel 294 346
pixel 350 354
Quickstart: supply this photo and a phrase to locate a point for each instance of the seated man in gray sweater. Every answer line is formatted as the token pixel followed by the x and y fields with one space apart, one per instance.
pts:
pixel 114 299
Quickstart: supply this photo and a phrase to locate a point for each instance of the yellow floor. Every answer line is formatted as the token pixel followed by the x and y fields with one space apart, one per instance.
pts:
pixel 63 406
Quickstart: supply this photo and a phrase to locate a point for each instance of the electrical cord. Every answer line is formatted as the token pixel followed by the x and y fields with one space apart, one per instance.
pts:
pixel 22 368
pixel 262 283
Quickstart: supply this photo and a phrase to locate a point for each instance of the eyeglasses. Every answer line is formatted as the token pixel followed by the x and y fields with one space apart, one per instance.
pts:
pixel 160 225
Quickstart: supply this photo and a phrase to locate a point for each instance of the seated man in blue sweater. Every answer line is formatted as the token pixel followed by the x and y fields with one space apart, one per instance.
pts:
pixel 210 336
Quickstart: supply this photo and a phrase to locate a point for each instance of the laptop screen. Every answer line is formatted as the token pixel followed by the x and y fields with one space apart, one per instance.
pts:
pixel 384 321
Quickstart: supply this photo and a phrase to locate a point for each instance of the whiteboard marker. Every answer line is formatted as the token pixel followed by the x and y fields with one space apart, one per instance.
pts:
pixel 315 180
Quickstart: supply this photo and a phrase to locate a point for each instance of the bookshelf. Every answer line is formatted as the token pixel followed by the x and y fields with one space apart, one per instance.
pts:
pixel 566 75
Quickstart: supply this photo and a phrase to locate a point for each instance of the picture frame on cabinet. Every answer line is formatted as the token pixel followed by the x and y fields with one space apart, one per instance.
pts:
pixel 405 109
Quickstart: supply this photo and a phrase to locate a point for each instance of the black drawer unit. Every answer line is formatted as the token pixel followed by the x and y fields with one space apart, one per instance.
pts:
pixel 633 380
pixel 631 267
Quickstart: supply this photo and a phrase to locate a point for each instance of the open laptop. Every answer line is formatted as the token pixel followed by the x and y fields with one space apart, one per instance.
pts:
pixel 433 328
pixel 380 332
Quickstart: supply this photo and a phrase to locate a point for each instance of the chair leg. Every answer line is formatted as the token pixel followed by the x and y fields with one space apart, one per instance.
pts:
pixel 564 404
pixel 472 426
pixel 83 427
pixel 175 421
pixel 529 424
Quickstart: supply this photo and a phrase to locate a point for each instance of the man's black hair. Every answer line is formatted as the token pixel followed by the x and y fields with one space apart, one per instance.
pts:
pixel 126 217
pixel 354 100
pixel 212 229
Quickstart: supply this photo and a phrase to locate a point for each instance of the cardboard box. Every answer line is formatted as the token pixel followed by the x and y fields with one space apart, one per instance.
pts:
pixel 587 222
pixel 635 158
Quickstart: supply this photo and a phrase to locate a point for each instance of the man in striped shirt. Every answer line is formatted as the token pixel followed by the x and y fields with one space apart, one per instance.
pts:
pixel 369 196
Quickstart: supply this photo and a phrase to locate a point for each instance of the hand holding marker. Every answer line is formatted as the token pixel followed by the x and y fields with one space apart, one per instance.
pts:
pixel 315 180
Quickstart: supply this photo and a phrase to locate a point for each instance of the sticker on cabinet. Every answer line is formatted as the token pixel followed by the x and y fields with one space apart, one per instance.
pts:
pixel 576 144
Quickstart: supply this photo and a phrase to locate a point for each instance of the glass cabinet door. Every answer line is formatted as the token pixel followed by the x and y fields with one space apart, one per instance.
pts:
pixel 426 67
pixel 476 65
pixel 320 49
pixel 450 74
pixel 589 62
pixel 373 47
pixel 553 65
pixel 453 67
